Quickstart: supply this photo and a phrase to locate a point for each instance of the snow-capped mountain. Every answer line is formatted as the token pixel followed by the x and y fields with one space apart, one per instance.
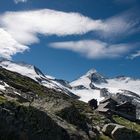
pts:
pixel 22 68
pixel 94 85
pixel 89 86
pixel 84 88
pixel 35 74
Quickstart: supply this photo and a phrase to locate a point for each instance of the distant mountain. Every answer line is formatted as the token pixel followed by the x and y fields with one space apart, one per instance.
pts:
pixel 90 86
pixel 83 86
pixel 34 73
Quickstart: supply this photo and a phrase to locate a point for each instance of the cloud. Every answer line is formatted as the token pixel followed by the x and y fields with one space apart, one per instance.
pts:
pixel 9 46
pixel 17 1
pixel 121 25
pixel 134 55
pixel 94 48
pixel 25 26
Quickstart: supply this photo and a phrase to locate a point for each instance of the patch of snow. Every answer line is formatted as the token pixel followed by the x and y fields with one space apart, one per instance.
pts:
pixel 26 70
pixel 86 95
pixel 50 77
pixel 114 85
pixel 17 93
pixel 2 87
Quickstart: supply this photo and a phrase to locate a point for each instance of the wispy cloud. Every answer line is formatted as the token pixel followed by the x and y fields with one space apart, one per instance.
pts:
pixel 94 48
pixel 17 1
pixel 134 55
pixel 8 45
pixel 121 25
pixel 24 26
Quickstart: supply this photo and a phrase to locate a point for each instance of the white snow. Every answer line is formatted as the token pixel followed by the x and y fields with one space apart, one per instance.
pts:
pixel 33 73
pixel 81 81
pixel 113 86
pixel 17 93
pixel 88 94
pixel 26 70
pixel 2 87
pixel 50 77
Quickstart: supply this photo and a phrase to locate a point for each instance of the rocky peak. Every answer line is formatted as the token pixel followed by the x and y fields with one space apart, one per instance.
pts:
pixel 95 77
pixel 91 71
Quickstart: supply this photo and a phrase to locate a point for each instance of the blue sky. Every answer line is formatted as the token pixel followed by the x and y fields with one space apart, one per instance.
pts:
pixel 66 38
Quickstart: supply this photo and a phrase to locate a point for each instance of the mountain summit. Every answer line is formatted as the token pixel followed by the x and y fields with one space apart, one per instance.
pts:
pixel 90 86
pixel 22 68
pixel 95 76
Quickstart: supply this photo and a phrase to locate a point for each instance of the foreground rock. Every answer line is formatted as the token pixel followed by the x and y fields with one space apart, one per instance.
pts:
pixel 119 132
pixel 28 123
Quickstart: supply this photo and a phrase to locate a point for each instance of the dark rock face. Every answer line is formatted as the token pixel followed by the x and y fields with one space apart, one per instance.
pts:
pixel 92 86
pixel 124 133
pixel 97 78
pixel 18 122
pixel 104 92
pixel 118 132
pixel 64 83
pixel 93 103
pixel 79 87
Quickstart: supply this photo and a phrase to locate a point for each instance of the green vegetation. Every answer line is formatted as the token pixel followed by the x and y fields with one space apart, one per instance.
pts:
pixel 18 81
pixel 128 124
pixel 25 84
pixel 103 137
pixel 35 124
pixel 73 116
pixel 2 99
pixel 93 117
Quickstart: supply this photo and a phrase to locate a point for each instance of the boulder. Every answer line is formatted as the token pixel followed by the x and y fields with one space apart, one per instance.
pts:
pixel 119 132
pixel 108 128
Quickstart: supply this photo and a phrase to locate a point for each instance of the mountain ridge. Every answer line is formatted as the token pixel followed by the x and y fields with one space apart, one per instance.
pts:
pixel 87 87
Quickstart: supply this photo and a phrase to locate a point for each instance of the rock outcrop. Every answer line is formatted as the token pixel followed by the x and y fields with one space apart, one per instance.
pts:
pixel 119 132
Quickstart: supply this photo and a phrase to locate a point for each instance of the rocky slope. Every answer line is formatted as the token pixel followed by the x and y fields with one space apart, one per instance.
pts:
pixel 36 74
pixel 31 111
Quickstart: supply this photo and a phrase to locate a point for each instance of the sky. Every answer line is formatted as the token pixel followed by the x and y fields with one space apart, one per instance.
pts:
pixel 66 38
